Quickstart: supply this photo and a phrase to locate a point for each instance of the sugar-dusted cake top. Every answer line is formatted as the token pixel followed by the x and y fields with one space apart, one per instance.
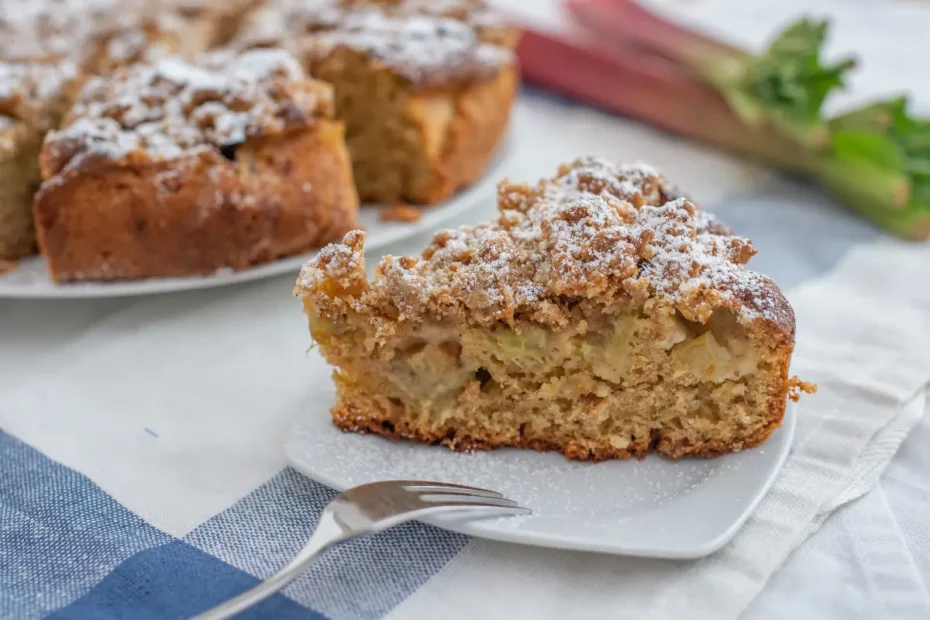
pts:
pixel 428 43
pixel 173 108
pixel 596 234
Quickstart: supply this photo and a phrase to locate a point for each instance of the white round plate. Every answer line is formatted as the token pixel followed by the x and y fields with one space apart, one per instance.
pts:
pixel 30 279
pixel 650 508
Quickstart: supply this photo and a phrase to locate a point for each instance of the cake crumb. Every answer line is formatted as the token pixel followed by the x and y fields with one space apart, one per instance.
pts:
pixel 796 386
pixel 400 213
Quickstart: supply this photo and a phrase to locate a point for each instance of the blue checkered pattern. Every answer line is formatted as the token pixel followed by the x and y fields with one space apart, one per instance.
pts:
pixel 69 550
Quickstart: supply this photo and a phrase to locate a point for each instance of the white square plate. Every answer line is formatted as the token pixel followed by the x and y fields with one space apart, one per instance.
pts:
pixel 650 508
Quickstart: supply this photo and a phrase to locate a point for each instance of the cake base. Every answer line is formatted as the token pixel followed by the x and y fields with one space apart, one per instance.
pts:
pixel 361 412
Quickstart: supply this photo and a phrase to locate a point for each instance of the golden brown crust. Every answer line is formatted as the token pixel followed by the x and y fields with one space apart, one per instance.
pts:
pixel 281 196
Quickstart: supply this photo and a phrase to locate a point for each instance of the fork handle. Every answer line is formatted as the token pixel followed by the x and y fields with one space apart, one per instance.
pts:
pixel 326 534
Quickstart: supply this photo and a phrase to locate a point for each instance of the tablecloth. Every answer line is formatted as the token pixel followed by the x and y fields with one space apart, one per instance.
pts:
pixel 135 512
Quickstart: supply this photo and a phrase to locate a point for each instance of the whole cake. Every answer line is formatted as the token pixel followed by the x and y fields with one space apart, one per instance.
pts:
pixel 423 92
pixel 173 168
pixel 425 87
pixel 48 47
pixel 602 315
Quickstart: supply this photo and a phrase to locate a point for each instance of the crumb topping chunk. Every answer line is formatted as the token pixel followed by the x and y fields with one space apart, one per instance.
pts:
pixel 171 108
pixel 596 233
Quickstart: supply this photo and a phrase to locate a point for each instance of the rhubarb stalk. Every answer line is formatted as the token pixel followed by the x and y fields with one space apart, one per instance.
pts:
pixel 767 105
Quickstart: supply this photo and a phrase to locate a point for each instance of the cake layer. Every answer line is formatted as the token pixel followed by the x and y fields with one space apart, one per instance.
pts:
pixel 613 385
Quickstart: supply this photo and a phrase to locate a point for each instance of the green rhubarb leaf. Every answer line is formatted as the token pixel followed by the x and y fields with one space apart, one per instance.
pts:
pixel 921 197
pixel 876 116
pixel 879 150
pixel 787 84
pixel 883 135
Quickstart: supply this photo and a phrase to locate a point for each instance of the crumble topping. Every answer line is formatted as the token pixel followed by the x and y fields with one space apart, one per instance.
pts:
pixel 595 233
pixel 426 42
pixel 172 107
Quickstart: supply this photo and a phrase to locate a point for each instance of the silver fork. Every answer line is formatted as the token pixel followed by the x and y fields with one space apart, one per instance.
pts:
pixel 367 509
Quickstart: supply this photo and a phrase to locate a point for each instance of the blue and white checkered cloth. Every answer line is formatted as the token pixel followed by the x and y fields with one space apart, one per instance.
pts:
pixel 69 550
pixel 141 450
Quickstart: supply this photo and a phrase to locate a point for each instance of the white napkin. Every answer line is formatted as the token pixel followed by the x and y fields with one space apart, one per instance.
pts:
pixel 864 336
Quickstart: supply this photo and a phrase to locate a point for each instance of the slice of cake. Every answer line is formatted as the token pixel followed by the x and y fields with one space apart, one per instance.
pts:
pixel 425 88
pixel 32 99
pixel 601 315
pixel 173 168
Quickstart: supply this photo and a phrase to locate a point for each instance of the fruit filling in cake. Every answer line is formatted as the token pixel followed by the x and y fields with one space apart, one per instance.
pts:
pixel 601 315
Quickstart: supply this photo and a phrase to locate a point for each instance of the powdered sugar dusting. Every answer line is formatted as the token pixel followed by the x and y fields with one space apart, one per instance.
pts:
pixel 343 264
pixel 171 107
pixel 50 30
pixel 417 46
pixel 423 41
pixel 596 233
